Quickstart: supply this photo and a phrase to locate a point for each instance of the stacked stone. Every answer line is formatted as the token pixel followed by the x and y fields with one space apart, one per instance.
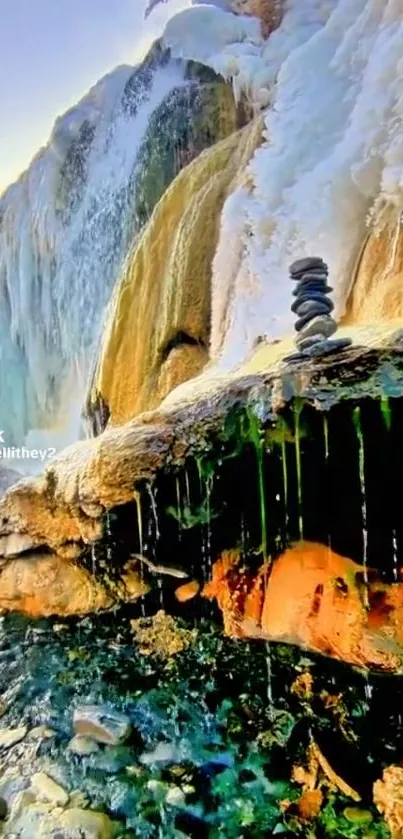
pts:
pixel 315 325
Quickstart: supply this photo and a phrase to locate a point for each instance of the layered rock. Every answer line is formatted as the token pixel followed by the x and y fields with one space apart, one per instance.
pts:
pixel 64 511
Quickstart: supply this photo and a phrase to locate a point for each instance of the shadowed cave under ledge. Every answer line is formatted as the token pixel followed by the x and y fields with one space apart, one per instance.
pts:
pixel 312 476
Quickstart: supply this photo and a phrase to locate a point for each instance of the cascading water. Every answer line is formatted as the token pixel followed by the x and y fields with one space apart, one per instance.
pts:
pixel 65 229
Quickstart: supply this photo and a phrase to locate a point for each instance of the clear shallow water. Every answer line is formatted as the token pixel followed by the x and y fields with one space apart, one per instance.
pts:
pixel 209 755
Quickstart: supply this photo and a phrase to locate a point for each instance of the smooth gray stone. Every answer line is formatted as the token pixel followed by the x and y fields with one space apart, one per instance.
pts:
pixel 327 347
pixel 303 343
pixel 304 305
pixel 311 285
pixel 313 274
pixel 294 357
pixel 316 310
pixel 306 264
pixel 322 325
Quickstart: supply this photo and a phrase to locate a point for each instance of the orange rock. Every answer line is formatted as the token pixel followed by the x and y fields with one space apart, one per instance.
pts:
pixel 388 797
pixel 187 591
pixel 238 594
pixel 309 804
pixel 316 599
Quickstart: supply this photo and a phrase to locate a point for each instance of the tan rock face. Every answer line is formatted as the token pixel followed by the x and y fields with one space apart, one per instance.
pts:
pixel 158 330
pixel 377 290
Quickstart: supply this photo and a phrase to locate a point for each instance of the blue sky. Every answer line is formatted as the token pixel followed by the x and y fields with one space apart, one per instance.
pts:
pixel 51 52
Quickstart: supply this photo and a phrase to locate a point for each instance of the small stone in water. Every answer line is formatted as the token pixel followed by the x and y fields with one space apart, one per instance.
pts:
pixel 305 264
pixel 328 347
pixel 323 325
pixel 163 753
pixel 355 814
pixel 187 591
pixel 175 797
pixel 41 732
pixel 46 789
pixel 10 736
pixel 101 723
pixel 82 746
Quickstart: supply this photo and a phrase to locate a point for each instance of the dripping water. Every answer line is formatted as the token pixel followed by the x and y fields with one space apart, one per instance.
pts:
pixel 387 418
pixel 204 562
pixel 326 442
pixel 137 499
pixel 93 560
pixel 285 479
pixel 269 680
pixel 395 561
pixel 108 539
pixel 178 507
pixel 209 489
pixel 154 536
pixel 361 464
pixel 152 494
pixel 297 412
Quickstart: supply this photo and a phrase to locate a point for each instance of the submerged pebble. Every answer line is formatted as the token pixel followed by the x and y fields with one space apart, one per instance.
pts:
pixel 102 723
pixel 10 736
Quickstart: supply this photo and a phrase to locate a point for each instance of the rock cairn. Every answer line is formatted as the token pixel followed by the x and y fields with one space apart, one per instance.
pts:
pixel 313 307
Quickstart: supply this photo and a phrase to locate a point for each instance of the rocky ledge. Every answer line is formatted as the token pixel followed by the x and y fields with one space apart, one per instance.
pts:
pixel 50 526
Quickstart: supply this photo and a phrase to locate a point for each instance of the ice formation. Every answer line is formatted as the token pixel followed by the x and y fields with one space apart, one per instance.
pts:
pixel 330 80
pixel 333 157
pixel 63 235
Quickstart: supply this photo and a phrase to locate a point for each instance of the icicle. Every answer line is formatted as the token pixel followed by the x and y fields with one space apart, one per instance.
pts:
pixel 297 412
pixel 361 456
